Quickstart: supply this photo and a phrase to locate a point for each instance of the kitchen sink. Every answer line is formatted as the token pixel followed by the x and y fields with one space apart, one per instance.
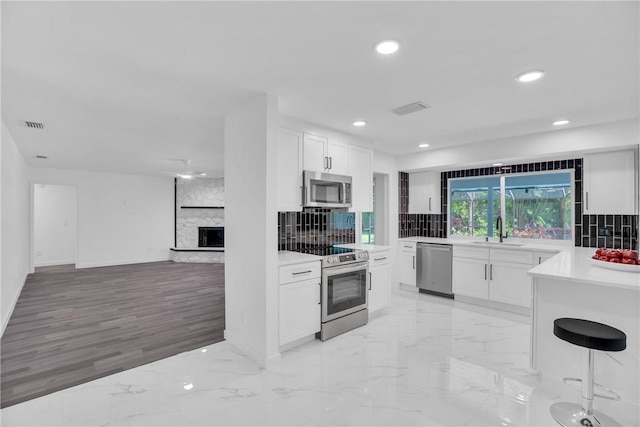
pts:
pixel 480 242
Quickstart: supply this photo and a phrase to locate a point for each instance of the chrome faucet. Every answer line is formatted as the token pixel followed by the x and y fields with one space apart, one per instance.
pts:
pixel 499 227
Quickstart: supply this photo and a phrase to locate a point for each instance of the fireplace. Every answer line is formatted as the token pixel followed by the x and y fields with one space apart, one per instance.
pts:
pixel 211 237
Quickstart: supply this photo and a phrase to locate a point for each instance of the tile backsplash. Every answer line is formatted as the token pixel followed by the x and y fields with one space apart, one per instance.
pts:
pixel 612 231
pixel 315 227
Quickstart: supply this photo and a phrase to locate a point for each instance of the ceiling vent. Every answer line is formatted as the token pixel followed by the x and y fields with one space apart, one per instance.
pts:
pixel 410 108
pixel 34 125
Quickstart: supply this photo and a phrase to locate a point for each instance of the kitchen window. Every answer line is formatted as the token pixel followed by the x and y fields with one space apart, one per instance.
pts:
pixel 532 205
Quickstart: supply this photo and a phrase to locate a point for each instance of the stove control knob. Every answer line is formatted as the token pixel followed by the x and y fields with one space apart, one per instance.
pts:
pixel 331 260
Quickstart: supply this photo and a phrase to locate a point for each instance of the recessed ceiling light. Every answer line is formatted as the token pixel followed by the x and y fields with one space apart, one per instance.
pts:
pixel 387 47
pixel 359 123
pixel 185 175
pixel 561 122
pixel 530 76
pixel 424 145
pixel 202 174
pixel 497 164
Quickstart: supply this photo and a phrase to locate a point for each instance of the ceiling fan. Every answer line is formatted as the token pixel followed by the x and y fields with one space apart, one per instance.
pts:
pixel 189 174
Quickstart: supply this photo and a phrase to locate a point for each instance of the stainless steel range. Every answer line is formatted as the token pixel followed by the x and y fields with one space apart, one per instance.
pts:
pixel 345 286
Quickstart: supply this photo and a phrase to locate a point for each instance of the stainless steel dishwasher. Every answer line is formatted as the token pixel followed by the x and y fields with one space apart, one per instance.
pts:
pixel 433 271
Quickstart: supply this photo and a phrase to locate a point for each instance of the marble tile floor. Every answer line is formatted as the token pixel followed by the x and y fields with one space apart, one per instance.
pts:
pixel 424 361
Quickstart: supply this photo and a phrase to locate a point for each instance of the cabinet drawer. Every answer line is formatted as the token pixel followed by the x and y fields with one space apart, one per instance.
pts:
pixel 469 252
pixel 297 272
pixel 379 258
pixel 509 255
pixel 408 246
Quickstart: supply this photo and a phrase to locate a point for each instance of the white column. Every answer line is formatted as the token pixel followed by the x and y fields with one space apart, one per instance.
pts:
pixel 251 251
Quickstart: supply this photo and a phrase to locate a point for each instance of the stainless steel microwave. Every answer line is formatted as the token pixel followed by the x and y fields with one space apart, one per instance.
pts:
pixel 326 190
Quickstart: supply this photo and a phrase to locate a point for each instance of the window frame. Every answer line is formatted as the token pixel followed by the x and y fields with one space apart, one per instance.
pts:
pixel 502 176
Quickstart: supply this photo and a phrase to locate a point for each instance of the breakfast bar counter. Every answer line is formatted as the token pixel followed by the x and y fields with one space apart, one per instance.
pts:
pixel 570 284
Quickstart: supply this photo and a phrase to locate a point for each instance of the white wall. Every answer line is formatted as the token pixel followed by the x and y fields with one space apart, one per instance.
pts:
pixel 561 143
pixel 15 207
pixel 251 253
pixel 55 214
pixel 122 219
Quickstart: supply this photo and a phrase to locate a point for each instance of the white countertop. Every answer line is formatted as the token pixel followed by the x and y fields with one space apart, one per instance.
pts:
pixel 534 245
pixel 288 258
pixel 364 247
pixel 574 265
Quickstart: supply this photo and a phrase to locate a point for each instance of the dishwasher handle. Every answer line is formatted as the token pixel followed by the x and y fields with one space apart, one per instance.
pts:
pixel 435 247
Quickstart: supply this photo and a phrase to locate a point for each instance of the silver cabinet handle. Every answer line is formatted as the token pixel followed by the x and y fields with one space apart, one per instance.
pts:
pixel 380 259
pixel 491 272
pixel 539 260
pixel 370 280
pixel 485 272
pixel 301 272
pixel 320 294
pixel 586 195
pixel 326 163
pixel 429 204
pixel 409 247
pixel 330 162
pixel 414 262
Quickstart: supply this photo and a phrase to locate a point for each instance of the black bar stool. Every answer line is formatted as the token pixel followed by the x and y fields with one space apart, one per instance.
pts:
pixel 593 336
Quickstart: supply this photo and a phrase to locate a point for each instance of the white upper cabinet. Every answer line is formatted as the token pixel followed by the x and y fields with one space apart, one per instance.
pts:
pixel 361 171
pixel 610 183
pixel 290 152
pixel 315 149
pixel 424 193
pixel 338 155
pixel 324 155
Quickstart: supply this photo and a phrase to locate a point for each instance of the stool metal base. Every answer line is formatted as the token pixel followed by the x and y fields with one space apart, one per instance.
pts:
pixel 573 415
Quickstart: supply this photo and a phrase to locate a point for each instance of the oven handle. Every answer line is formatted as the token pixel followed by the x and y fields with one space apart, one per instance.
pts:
pixel 370 280
pixel 330 271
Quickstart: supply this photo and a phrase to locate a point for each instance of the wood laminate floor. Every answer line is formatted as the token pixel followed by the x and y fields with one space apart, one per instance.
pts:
pixel 73 326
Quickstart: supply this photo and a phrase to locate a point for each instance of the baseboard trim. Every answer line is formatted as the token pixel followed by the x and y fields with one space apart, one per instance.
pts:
pixel 120 262
pixel 5 321
pixel 52 263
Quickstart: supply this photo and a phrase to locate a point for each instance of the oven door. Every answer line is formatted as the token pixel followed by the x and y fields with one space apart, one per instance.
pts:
pixel 344 290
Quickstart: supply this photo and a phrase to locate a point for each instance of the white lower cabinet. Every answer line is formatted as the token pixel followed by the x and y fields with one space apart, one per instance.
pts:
pixel 407 263
pixel 379 280
pixel 509 283
pixel 469 277
pixel 498 275
pixel 299 301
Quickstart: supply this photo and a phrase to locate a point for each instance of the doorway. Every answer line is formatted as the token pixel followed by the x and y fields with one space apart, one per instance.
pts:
pixel 55 226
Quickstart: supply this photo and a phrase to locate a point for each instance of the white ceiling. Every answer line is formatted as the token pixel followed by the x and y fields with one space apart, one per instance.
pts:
pixel 135 86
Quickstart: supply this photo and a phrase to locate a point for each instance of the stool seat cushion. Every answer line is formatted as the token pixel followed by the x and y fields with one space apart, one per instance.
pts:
pixel 586 333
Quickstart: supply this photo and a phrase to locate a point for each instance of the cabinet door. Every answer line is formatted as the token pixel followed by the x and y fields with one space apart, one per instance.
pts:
pixel 299 313
pixel 361 172
pixel 315 153
pixel 433 193
pixel 407 267
pixel 509 283
pixel 338 153
pixel 379 285
pixel 424 193
pixel 470 277
pixel 418 188
pixel 290 149
pixel 610 183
